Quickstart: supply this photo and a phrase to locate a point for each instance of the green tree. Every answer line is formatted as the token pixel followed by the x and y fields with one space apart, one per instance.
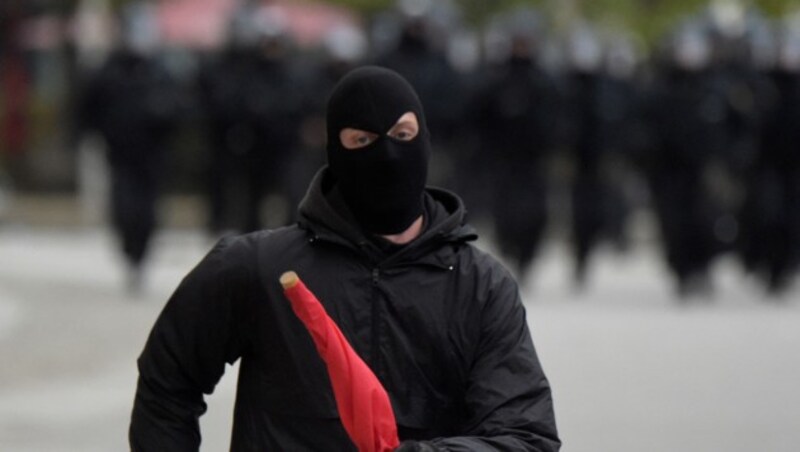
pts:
pixel 649 18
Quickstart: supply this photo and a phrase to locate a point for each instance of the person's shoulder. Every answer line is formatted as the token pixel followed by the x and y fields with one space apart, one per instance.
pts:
pixel 486 265
pixel 490 283
pixel 272 236
pixel 252 243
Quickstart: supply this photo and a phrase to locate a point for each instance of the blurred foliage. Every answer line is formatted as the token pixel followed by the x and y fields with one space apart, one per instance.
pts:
pixel 365 6
pixel 651 18
pixel 648 18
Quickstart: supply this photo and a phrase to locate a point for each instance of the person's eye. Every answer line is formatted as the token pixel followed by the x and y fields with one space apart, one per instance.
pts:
pixel 355 138
pixel 403 135
pixel 406 128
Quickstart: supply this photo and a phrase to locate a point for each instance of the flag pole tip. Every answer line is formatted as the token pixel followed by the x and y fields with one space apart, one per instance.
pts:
pixel 289 279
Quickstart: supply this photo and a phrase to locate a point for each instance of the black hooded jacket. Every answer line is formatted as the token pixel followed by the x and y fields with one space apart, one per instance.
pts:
pixel 439 322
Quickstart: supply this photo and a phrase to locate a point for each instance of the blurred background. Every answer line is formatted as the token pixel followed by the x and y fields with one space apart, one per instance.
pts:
pixel 636 163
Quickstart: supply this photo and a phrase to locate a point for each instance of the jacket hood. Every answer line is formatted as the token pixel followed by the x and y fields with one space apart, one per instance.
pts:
pixel 323 213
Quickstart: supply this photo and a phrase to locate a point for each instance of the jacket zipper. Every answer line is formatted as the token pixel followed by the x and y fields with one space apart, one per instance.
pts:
pixel 376 361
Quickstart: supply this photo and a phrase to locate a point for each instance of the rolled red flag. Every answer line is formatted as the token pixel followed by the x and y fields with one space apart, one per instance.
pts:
pixel 364 406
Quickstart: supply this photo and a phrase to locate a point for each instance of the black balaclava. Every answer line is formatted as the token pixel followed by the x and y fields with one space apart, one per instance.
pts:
pixel 381 183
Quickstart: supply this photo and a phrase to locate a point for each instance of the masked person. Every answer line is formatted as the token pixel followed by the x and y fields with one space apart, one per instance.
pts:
pixel 439 322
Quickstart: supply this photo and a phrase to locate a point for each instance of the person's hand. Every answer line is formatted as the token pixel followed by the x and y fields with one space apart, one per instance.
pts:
pixel 416 446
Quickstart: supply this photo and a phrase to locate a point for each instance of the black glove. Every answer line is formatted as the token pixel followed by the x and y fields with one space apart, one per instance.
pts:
pixel 416 446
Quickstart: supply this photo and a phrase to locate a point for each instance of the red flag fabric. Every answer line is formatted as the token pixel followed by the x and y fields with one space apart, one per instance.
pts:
pixel 362 401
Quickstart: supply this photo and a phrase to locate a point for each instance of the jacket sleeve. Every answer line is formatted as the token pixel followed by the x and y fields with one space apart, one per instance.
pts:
pixel 508 399
pixel 195 335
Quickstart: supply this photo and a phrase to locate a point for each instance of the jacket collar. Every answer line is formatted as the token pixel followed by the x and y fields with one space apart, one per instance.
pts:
pixel 323 214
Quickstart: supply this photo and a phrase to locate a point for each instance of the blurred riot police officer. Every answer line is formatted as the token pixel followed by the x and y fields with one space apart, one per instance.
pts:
pixel 770 219
pixel 584 88
pixel 686 109
pixel 419 55
pixel 600 132
pixel 252 105
pixel 133 104
pixel 342 49
pixel 516 112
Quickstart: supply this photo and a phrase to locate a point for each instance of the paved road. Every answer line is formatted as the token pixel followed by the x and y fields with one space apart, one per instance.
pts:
pixel 631 369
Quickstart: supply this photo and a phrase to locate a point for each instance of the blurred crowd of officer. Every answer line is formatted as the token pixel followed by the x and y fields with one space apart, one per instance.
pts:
pixel 533 127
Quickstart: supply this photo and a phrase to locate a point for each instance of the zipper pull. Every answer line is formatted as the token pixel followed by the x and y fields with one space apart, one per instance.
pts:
pixel 376 272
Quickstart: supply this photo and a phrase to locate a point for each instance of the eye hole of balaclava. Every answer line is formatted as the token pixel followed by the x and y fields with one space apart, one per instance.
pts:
pixel 382 182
